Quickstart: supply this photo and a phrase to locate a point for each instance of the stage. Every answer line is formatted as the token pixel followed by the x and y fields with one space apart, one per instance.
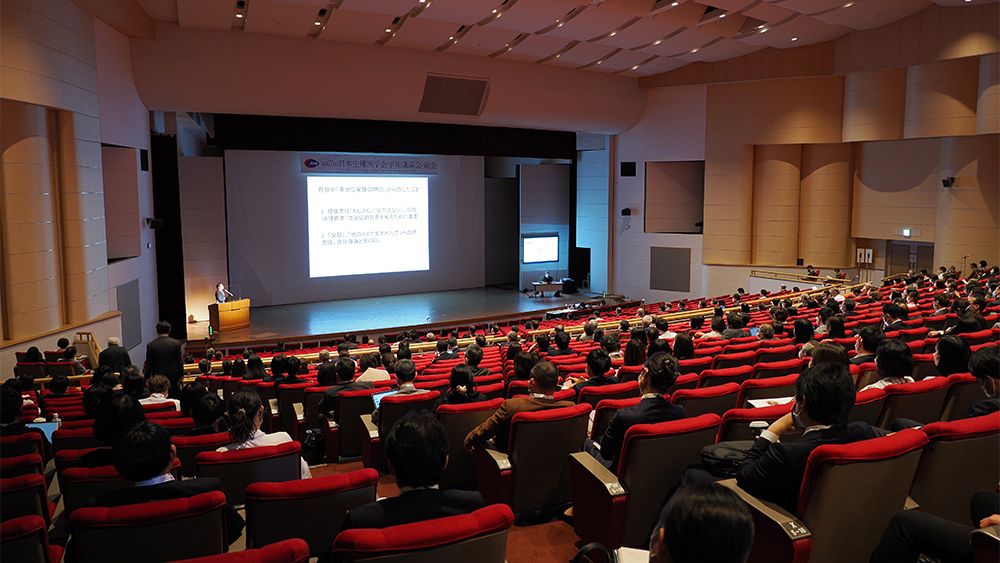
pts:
pixel 377 315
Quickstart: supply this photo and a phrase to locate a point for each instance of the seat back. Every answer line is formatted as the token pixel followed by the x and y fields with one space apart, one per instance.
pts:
pixel 963 390
pixel 196 525
pixel 593 394
pixel 777 369
pixel 713 377
pixel 629 373
pixel 82 483
pixel 61 368
pixel 23 496
pixel 921 401
pixel 867 482
pixel 21 465
pixel 923 366
pixel 393 407
pixel 289 395
pixel 723 361
pixel 350 406
pixel 717 399
pixel 776 354
pixel 22 444
pixel 867 406
pixel 34 369
pixel 694 365
pixel 25 540
pixel 735 423
pixel 868 375
pixel 311 398
pixel 965 454
pixel 606 410
pixel 670 447
pixel 493 390
pixel 274 511
pixel 480 536
pixel 770 388
pixel 74 439
pixel 458 421
pixel 188 447
pixel 540 444
pixel 237 469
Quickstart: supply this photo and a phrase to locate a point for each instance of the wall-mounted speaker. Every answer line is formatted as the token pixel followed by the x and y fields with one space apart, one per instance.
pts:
pixel 144 160
pixel 155 224
pixel 628 170
pixel 626 211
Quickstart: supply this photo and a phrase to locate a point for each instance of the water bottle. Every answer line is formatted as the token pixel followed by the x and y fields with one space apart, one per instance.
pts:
pixel 57 420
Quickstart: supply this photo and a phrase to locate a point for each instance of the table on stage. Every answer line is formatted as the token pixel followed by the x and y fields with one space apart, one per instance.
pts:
pixel 231 315
pixel 542 287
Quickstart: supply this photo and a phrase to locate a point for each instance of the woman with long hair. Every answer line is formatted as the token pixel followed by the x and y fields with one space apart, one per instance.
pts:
pixel 461 388
pixel 245 414
pixel 683 346
pixel 255 368
pixel 635 353
pixel 951 355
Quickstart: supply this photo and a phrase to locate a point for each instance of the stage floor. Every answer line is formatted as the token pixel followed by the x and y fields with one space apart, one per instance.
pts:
pixel 375 315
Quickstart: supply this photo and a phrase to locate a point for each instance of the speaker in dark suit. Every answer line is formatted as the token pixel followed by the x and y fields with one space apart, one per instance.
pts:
pixel 164 356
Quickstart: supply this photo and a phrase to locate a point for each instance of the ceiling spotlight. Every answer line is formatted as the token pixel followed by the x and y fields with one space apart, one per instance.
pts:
pixel 795 38
pixel 635 67
pixel 613 33
pixel 452 38
pixel 674 4
pixel 239 15
pixel 763 31
pixel 694 50
pixel 494 11
pixel 317 23
pixel 761 26
pixel 388 30
pixel 722 16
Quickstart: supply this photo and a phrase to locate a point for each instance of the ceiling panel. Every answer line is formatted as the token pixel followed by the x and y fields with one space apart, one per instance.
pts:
pixel 721 51
pixel 355 27
pixel 731 6
pixel 583 53
pixel 685 41
pixel 812 6
pixel 866 14
pixel 804 29
pixel 641 32
pixel 274 18
pixel 633 8
pixel 461 12
pixel 206 14
pixel 420 33
pixel 535 47
pixel 662 64
pixel 159 10
pixel 532 15
pixel 963 2
pixel 388 7
pixel 482 41
pixel 589 24
pixel 621 61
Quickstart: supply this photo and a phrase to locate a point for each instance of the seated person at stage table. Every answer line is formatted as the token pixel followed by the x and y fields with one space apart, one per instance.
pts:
pixel 461 388
pixel 869 337
pixel 443 352
pixel 406 372
pixel 339 376
pixel 894 361
pixel 159 388
pixel 11 403
pixel 144 454
pixel 824 397
pixel 114 418
pixel 474 355
pixel 598 365
pixel 546 278
pixel 656 377
pixel 417 452
pixel 541 386
pixel 208 414
pixel 702 522
pixel 115 356
pixel 562 339
pixel 245 414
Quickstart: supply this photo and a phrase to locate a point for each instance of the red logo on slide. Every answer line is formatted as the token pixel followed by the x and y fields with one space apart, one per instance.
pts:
pixel 311 163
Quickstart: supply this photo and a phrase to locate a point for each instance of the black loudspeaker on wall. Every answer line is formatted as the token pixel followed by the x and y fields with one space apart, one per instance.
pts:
pixel 155 224
pixel 628 169
pixel 626 211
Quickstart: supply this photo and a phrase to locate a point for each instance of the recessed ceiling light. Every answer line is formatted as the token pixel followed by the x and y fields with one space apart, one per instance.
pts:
pixel 694 50
pixel 635 67
pixel 494 11
pixel 452 38
pixel 613 33
pixel 795 38
pixel 674 4
pixel 239 15
pixel 763 31
pixel 388 30
pixel 761 26
pixel 657 42
pixel 722 16
pixel 317 23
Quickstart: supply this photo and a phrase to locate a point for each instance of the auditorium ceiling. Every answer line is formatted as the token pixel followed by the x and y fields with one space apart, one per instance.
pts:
pixel 629 37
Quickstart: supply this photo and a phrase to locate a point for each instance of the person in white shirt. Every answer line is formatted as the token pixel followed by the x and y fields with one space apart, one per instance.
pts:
pixel 246 413
pixel 894 361
pixel 159 388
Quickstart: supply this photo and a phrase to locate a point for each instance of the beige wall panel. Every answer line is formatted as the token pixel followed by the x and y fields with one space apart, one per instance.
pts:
pixel 33 295
pixel 988 102
pixel 31 149
pixel 825 205
pixel 32 266
pixel 25 208
pixel 968 214
pixel 941 98
pixel 895 186
pixel 776 175
pixel 89 308
pixel 810 60
pixel 34 322
pixel 31 237
pixel 874 105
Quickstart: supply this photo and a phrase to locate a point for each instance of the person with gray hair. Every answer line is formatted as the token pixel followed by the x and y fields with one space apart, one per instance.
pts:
pixel 324 356
pixel 114 356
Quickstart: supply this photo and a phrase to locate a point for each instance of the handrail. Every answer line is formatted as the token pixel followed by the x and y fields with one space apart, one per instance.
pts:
pixel 786 276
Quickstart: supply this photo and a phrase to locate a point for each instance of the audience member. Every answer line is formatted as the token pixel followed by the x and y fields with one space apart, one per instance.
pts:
pixel 985 367
pixel 461 388
pixel 891 315
pixel 163 357
pixel 69 355
pixel 702 523
pixel 562 339
pixel 11 404
pixel 635 353
pixel 869 337
pixel 115 417
pixel 444 353
pixel 339 376
pixel 829 352
pixel 735 329
pixel 159 389
pixel 406 372
pixel 255 368
pixel 683 346
pixel 190 393
pixel 115 356
pixel 94 397
pixel 598 366
pixel 951 355
pixel 765 332
pixel 59 387
pixel 473 356
pixel 894 362
pixel 208 414
pixel 245 414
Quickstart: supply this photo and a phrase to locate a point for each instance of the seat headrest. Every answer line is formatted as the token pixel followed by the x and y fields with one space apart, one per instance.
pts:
pixel 965 428
pixel 249 454
pixel 427 534
pixel 147 513
pixel 470 407
pixel 317 486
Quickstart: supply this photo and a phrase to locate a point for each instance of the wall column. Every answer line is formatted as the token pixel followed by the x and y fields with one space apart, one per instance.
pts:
pixel 776 173
pixel 825 205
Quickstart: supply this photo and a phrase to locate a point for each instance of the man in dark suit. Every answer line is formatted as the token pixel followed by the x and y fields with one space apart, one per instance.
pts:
pixel 339 376
pixel 11 403
pixel 869 337
pixel 659 374
pixel 541 386
pixel 562 339
pixel 598 365
pixel 220 293
pixel 114 356
pixel 473 356
pixel 417 451
pixel 164 357
pixel 443 352
pixel 891 313
pixel 824 396
pixel 145 455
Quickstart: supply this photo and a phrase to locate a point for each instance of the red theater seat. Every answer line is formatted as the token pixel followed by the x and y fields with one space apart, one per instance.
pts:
pixel 921 401
pixel 392 408
pixel 480 536
pixel 26 540
pixel 735 423
pixel 458 421
pixel 867 406
pixel 963 390
pixel 593 394
pixel 713 377
pixel 717 399
pixel 238 469
pixel 288 551
pixel 770 388
pixel 188 448
pixel 21 465
pixel 23 496
pixel 606 410
pixel 778 369
pixel 723 361
pixel 22 444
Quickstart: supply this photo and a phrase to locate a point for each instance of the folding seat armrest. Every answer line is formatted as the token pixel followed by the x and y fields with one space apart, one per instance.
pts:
pixel 494 474
pixel 371 444
pixel 369 428
pixel 331 438
pixel 599 501
pixel 794 529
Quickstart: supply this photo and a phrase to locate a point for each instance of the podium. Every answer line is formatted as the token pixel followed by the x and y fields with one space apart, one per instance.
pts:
pixel 231 315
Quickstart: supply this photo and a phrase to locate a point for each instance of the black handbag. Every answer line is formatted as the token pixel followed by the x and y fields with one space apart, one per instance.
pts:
pixel 723 459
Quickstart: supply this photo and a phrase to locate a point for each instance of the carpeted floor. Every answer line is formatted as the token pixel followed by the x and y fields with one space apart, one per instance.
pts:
pixel 553 541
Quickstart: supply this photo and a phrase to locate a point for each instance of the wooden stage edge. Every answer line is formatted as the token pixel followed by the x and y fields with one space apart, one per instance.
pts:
pixel 372 316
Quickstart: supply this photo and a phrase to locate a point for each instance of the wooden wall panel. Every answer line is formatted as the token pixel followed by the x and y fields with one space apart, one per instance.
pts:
pixel 968 214
pixel 776 174
pixel 675 196
pixel 120 168
pixel 941 98
pixel 895 186
pixel 874 105
pixel 988 102
pixel 825 206
pixel 203 226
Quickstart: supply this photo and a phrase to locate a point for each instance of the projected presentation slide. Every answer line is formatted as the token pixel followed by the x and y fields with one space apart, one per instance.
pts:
pixel 541 249
pixel 367 225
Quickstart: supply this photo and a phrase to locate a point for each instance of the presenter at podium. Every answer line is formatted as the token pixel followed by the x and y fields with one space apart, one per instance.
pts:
pixel 221 293
pixel 546 278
